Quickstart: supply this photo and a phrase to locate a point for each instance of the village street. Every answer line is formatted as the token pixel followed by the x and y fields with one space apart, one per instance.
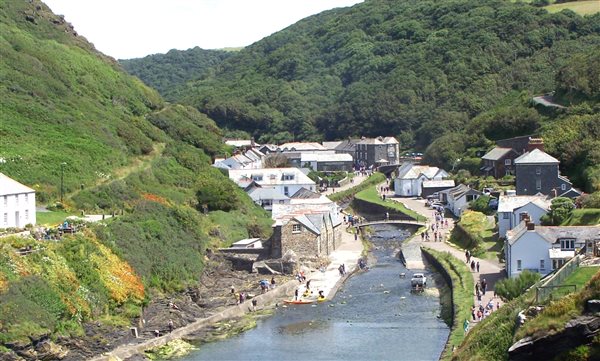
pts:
pixel 489 270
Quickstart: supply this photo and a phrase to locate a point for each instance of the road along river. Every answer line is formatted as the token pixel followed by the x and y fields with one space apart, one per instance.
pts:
pixel 374 316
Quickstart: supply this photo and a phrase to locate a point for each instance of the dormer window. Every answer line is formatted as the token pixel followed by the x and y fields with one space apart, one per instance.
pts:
pixel 567 244
pixel 257 177
pixel 288 177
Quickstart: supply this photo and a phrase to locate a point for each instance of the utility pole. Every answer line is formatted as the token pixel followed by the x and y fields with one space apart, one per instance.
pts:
pixel 62 176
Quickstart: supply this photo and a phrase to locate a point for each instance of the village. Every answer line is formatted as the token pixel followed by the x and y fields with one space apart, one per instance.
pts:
pixel 316 240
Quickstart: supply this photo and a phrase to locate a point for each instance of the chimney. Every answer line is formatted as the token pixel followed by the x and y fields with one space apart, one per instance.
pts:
pixel 535 143
pixel 530 226
pixel 554 193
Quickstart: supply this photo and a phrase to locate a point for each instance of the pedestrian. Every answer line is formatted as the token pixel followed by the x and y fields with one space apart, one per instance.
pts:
pixel 156 333
pixel 356 236
pixel 446 223
pixel 254 303
pixel 473 266
pixel 171 325
pixel 483 286
pixel 435 237
pixel 422 236
pixel 232 290
pixel 308 285
pixel 477 288
pixel 497 305
pixel 296 294
pixel 467 255
pixel 477 266
pixel 473 312
pixel 340 270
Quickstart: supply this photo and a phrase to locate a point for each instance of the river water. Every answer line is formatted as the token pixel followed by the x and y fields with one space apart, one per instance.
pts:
pixel 374 316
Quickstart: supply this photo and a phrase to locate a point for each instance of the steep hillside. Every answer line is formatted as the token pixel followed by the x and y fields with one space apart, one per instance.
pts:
pixel 419 69
pixel 164 72
pixel 66 107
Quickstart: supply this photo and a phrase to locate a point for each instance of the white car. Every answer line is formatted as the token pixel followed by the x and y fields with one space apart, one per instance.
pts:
pixel 418 280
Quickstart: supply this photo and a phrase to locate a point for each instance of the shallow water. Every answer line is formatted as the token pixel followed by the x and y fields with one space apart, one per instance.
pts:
pixel 374 316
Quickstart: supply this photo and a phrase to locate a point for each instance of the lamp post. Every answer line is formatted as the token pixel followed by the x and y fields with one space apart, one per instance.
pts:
pixel 62 176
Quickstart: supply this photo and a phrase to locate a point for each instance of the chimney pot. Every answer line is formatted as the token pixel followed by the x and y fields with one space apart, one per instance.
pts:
pixel 535 143
pixel 530 226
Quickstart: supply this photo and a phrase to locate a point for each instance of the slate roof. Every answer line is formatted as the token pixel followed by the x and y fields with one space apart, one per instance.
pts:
pixel 348 145
pixel 413 171
pixel 438 183
pixel 536 156
pixel 552 234
pixel 332 145
pixel 266 193
pixel 302 146
pixel 510 203
pixel 325 157
pixel 304 193
pixel 271 176
pixel 496 153
pixel 9 186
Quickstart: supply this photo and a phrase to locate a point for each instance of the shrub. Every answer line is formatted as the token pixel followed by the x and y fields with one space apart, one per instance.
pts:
pixel 512 288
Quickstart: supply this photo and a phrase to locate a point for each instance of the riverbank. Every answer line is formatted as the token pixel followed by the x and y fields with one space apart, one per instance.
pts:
pixel 328 281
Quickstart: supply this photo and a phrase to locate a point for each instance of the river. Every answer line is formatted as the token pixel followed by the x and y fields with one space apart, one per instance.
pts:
pixel 374 316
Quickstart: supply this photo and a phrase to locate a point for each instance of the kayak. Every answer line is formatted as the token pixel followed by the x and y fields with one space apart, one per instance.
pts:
pixel 298 302
pixel 321 299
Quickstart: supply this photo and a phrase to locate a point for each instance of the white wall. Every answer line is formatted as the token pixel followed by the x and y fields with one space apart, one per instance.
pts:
pixel 530 248
pixel 17 210
pixel 504 225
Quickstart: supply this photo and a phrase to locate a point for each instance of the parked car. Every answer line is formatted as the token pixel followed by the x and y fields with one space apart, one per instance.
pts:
pixel 418 280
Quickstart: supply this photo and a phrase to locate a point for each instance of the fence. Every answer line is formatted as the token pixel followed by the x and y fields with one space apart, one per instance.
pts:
pixel 552 286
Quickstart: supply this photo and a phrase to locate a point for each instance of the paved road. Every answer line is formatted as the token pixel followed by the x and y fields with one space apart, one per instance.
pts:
pixel 489 270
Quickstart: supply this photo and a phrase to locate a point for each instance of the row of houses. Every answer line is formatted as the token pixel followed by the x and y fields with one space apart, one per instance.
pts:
pixel 344 155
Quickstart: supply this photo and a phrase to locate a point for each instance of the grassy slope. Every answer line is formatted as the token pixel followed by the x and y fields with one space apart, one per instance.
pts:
pixel 583 217
pixel 479 235
pixel 580 7
pixel 124 149
pixel 370 195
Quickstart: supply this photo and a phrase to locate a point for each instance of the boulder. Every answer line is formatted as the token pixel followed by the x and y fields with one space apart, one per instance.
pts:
pixel 578 331
pixel 48 350
pixel 10 356
pixel 592 306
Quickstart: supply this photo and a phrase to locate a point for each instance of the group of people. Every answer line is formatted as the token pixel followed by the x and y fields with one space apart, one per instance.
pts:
pixel 342 269
pixel 480 312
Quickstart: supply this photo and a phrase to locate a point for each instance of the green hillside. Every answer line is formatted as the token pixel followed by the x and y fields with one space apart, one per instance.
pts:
pixel 164 72
pixel 419 69
pixel 66 107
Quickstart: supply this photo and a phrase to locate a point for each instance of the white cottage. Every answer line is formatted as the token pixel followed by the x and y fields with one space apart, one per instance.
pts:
pixel 543 249
pixel 17 203
pixel 410 178
pixel 457 199
pixel 512 209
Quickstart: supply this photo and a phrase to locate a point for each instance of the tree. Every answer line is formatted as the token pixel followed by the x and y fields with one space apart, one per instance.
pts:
pixel 560 209
pixel 275 160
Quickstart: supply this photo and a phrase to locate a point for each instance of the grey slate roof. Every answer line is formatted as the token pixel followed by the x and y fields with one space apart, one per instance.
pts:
pixel 536 156
pixel 496 153
pixel 304 193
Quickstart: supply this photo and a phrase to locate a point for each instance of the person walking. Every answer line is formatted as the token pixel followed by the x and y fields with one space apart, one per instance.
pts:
pixel 483 286
pixel 477 266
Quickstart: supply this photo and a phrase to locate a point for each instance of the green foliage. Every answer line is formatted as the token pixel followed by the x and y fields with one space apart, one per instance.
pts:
pixel 583 217
pixel 372 181
pixel 370 195
pixel 462 296
pixel 164 72
pixel 590 200
pixel 481 205
pixel 511 288
pixel 560 210
pixel 475 232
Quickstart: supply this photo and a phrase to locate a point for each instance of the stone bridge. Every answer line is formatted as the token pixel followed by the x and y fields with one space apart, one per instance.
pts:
pixel 402 222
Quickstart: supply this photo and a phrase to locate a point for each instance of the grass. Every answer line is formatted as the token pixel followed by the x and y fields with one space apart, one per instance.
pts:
pixel 476 232
pixel 462 296
pixel 579 277
pixel 583 217
pixel 558 312
pixel 373 180
pixel 580 7
pixel 370 195
pixel 52 218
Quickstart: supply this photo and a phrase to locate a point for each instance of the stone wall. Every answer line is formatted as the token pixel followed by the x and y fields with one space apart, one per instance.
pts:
pixel 304 243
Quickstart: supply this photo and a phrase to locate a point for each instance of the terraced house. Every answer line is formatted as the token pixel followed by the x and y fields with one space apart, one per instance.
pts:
pixel 17 203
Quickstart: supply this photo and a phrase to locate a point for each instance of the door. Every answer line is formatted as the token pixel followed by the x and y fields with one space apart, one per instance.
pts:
pixel 17 223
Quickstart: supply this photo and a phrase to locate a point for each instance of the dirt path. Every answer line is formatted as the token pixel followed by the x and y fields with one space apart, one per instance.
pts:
pixel 489 270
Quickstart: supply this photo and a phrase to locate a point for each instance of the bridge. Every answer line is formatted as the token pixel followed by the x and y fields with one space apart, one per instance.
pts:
pixel 402 222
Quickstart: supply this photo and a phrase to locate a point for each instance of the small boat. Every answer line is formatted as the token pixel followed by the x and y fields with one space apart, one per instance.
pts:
pixel 298 302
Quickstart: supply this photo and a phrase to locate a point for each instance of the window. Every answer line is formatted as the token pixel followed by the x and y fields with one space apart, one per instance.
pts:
pixel 26 198
pixel 281 201
pixel 6 219
pixel 507 161
pixel 538 184
pixel 567 244
pixel 257 177
pixel 288 177
pixel 538 170
pixel 518 265
pixel 563 187
pixel 286 191
pixel 542 265
pixel 5 201
pixel 296 228
pixel 16 199
pixel 27 214
pixel 505 215
pixel 471 197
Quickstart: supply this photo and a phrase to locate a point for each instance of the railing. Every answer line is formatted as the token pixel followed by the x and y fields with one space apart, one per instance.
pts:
pixel 390 221
pixel 553 282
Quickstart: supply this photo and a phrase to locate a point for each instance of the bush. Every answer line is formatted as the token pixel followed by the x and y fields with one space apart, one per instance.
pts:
pixel 512 288
pixel 481 204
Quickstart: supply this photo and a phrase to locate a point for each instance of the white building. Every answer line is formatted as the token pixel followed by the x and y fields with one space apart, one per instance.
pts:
pixel 250 159
pixel 327 161
pixel 512 209
pixel 17 203
pixel 544 249
pixel 267 196
pixel 410 178
pixel 286 181
pixel 457 199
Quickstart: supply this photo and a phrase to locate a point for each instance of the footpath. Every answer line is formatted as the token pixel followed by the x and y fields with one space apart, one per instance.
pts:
pixel 489 270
